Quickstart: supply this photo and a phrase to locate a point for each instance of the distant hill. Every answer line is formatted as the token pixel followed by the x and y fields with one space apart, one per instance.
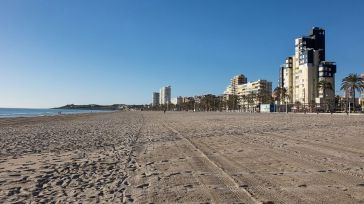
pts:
pixel 94 107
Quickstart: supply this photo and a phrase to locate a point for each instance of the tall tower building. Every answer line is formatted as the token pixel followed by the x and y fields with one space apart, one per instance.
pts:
pixel 165 95
pixel 155 99
pixel 302 72
pixel 362 95
pixel 286 76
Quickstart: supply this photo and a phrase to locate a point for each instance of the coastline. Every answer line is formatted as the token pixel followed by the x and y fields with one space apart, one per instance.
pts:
pixel 36 112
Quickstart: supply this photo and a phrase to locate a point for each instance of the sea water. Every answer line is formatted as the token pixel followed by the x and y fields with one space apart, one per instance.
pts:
pixel 32 112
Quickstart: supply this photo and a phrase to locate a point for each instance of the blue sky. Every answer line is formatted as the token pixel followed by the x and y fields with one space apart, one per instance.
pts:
pixel 71 51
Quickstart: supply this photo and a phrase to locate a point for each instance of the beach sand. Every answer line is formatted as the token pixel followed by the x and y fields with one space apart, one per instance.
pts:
pixel 151 157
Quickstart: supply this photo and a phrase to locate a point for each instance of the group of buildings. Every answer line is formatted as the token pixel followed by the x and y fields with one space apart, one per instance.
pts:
pixel 306 76
pixel 163 97
pixel 249 93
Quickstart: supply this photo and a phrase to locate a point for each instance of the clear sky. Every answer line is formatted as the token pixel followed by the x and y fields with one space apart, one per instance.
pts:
pixel 82 51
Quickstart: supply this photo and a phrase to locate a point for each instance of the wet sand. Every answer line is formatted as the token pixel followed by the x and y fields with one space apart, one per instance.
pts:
pixel 151 157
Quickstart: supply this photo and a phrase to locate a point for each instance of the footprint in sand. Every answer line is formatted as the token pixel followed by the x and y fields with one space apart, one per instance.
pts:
pixel 146 185
pixel 13 191
pixel 149 163
pixel 173 174
pixel 188 186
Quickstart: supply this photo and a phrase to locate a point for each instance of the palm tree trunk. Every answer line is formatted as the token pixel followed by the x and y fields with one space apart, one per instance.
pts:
pixel 353 90
pixel 323 92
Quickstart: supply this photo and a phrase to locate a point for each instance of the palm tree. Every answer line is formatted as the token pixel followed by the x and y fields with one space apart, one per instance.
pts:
pixel 276 93
pixel 324 85
pixel 242 100
pixel 232 102
pixel 280 94
pixel 352 83
pixel 251 98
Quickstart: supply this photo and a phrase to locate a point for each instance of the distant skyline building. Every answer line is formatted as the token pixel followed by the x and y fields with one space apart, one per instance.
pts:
pixel 155 99
pixel 177 100
pixel 165 95
pixel 302 72
pixel 239 86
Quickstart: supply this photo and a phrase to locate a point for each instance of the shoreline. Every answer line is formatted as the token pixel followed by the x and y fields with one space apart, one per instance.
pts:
pixel 61 112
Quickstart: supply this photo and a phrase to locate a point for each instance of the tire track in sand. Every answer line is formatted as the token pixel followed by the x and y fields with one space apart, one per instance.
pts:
pixel 234 188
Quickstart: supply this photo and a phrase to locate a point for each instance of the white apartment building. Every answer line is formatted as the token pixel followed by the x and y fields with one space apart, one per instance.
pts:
pixel 302 72
pixel 261 90
pixel 234 83
pixel 165 95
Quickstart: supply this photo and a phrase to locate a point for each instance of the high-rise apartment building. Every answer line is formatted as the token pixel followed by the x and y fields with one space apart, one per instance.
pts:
pixel 302 72
pixel 165 95
pixel 260 90
pixel 155 99
pixel 239 86
pixel 234 83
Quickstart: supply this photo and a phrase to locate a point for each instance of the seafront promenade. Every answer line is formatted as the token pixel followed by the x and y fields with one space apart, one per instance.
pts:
pixel 182 157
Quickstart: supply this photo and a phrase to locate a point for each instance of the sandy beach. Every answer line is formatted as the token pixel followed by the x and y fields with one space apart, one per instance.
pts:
pixel 151 157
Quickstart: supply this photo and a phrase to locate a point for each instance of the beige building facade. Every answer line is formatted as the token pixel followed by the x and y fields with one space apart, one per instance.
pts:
pixel 250 94
pixel 301 73
pixel 235 82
